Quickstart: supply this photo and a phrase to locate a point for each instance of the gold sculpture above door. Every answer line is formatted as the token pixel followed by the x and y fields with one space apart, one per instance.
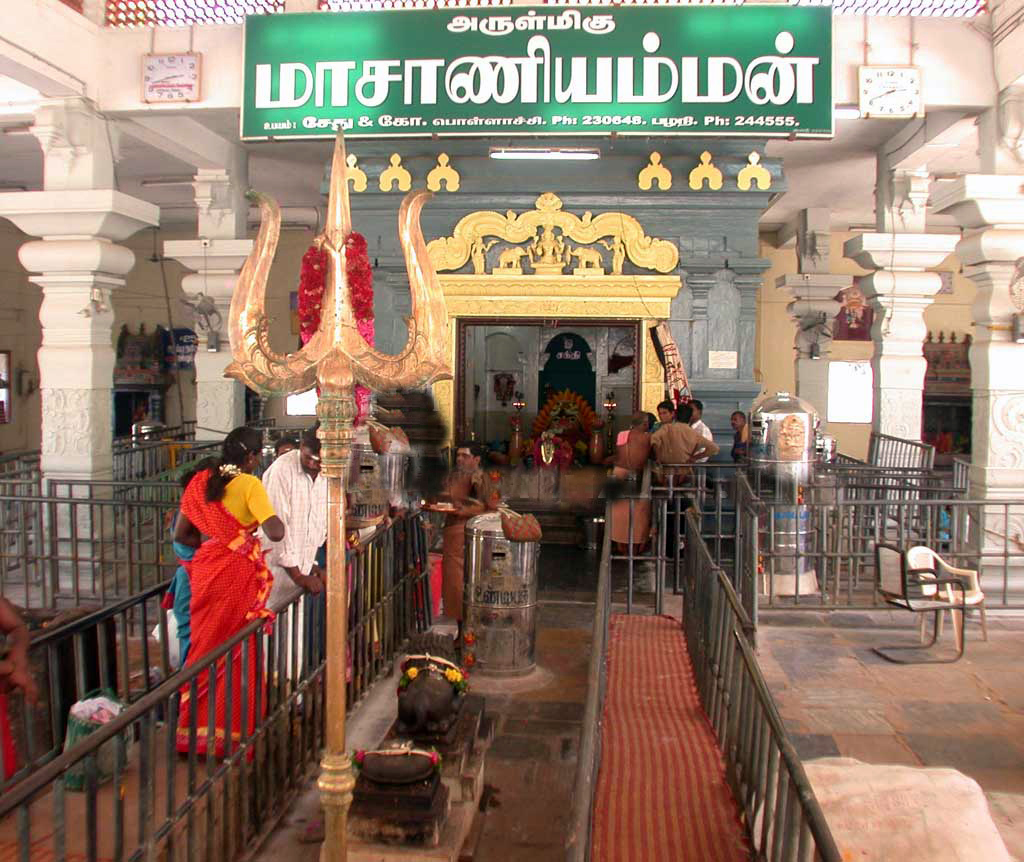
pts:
pixel 546 241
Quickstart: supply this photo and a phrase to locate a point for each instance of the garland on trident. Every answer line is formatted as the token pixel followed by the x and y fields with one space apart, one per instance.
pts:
pixel 359 275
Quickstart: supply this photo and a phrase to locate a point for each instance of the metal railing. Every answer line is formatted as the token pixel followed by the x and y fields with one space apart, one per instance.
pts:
pixel 887 451
pixel 589 760
pixel 107 649
pixel 961 474
pixel 708 489
pixel 819 554
pixel 780 812
pixel 185 805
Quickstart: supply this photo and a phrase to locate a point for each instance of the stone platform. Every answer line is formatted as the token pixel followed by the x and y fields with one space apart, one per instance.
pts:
pixel 462 779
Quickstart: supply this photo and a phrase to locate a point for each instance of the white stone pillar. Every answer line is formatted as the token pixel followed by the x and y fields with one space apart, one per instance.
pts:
pixel 77 263
pixel 220 401
pixel 899 290
pixel 216 259
pixel 990 209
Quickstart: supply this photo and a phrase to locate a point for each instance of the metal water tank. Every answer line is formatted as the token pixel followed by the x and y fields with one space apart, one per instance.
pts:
pixel 500 627
pixel 367 496
pixel 783 430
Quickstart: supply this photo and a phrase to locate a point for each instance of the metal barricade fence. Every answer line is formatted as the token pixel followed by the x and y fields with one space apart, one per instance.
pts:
pixel 65 550
pixel 885 450
pixel 165 799
pixel 779 809
pixel 843 530
pixel 107 649
pixel 961 474
pixel 589 760
pixel 707 487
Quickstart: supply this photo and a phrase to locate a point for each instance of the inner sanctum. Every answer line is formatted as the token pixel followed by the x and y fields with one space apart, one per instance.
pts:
pixel 550 315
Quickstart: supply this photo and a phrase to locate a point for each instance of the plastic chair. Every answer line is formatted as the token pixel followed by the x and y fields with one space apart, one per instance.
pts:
pixel 923 559
pixel 919 590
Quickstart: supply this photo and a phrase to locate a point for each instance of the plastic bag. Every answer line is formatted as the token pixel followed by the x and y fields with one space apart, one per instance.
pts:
pixel 173 644
pixel 85 716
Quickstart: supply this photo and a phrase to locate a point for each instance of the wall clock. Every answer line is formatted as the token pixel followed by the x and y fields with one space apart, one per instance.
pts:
pixel 889 91
pixel 171 77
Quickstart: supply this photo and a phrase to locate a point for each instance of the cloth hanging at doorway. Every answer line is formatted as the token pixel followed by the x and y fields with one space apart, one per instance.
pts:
pixel 668 354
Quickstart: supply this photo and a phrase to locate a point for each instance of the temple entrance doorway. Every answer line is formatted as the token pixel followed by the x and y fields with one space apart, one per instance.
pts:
pixel 533 375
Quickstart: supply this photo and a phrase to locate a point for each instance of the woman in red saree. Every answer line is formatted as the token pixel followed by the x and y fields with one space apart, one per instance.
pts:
pixel 230 584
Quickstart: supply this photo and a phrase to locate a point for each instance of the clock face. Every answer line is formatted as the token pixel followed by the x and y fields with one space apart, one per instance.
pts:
pixel 890 91
pixel 170 77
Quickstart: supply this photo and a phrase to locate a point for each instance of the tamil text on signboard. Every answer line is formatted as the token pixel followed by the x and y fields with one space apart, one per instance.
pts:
pixel 754 70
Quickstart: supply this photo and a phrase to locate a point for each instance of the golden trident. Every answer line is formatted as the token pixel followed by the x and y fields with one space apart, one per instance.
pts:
pixel 336 358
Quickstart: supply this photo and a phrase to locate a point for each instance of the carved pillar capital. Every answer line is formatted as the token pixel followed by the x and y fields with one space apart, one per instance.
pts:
pixel 80 147
pixel 78 266
pixel 899 290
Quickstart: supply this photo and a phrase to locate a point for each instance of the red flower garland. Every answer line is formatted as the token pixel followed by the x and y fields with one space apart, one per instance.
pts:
pixel 359 275
pixel 312 281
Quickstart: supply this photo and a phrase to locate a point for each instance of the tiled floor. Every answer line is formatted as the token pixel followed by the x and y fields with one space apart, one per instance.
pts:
pixel 837 697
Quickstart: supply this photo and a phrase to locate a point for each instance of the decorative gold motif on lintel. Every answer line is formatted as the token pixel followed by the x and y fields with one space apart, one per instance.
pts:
pixel 395 173
pixel 705 171
pixel 539 240
pixel 655 172
pixel 754 172
pixel 356 176
pixel 444 175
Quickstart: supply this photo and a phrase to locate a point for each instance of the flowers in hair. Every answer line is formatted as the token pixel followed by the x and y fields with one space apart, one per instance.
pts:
pixel 229 471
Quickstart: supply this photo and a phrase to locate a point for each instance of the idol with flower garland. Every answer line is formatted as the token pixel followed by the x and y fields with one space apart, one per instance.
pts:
pixel 431 693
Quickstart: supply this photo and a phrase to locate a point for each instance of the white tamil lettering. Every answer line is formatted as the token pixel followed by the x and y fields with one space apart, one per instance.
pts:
pixel 599 25
pixel 652 68
pixel 287 95
pixel 535 71
pixel 427 72
pixel 338 73
pixel 461 24
pixel 576 90
pixel 378 75
pixel 716 79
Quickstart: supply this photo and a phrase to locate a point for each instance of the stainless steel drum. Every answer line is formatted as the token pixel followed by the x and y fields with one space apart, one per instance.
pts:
pixel 500 628
pixel 367 495
pixel 393 469
pixel 783 430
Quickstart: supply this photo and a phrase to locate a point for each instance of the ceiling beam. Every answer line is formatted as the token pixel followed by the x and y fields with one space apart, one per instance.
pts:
pixel 922 141
pixel 185 139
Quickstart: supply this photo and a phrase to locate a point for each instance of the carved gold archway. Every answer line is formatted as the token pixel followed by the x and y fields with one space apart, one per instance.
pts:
pixel 522 266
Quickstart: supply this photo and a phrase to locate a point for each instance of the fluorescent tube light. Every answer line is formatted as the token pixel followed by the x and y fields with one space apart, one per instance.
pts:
pixel 846 112
pixel 546 153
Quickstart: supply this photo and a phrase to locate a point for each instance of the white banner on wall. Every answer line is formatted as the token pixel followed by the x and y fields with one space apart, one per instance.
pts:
pixel 850 392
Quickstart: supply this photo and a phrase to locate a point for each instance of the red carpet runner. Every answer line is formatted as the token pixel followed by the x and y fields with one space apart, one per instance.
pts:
pixel 661 792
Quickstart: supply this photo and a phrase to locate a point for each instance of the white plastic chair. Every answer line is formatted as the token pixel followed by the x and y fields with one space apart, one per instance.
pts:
pixel 921 591
pixel 922 558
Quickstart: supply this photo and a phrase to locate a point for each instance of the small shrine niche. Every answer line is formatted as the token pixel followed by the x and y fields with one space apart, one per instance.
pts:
pixel 946 418
pixel 144 369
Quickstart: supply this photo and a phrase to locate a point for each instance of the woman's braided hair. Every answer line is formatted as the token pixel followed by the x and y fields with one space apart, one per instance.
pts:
pixel 235 450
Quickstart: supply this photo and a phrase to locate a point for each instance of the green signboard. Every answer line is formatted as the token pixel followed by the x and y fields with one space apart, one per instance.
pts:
pixel 743 70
